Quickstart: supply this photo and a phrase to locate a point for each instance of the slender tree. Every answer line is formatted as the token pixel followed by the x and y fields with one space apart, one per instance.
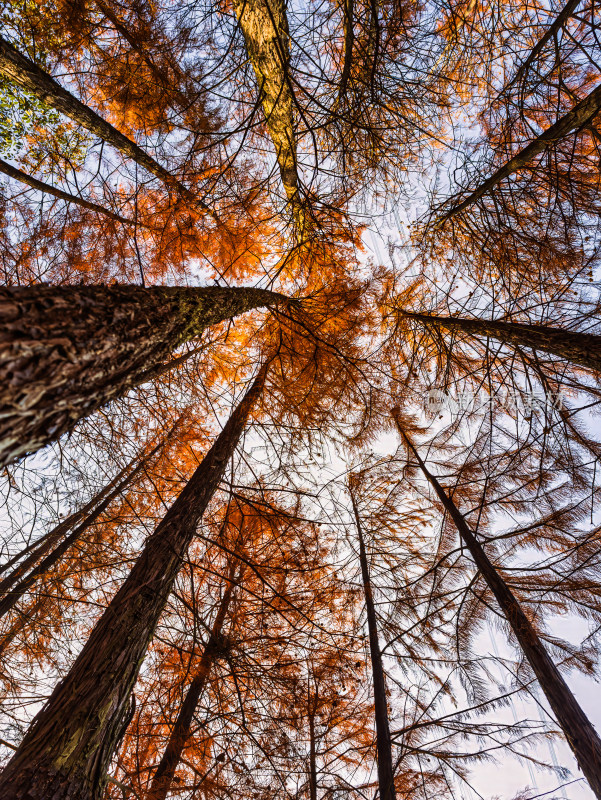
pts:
pixel 383 740
pixel 574 346
pixel 51 549
pixel 23 72
pixel 66 351
pixel 68 747
pixel 577 728
pixel 163 776
pixel 581 114
pixel 46 188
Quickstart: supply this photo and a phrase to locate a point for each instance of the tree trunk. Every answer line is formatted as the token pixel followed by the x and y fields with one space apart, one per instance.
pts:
pixel 18 69
pixel 559 21
pixel 583 112
pixel 383 740
pixel 163 777
pixel 578 348
pixel 67 750
pixel 67 350
pixel 85 517
pixel 40 186
pixel 264 25
pixel 312 758
pixel 577 728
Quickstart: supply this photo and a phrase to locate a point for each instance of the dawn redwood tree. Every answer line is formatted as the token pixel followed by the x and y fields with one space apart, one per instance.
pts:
pixel 49 549
pixel 575 119
pixel 46 188
pixel 577 728
pixel 69 745
pixel 265 28
pixel 20 70
pixel 383 740
pixel 574 346
pixel 67 350
pixel 163 776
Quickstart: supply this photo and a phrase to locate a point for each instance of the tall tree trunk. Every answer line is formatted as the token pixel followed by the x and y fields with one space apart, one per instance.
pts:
pixel 349 39
pixel 583 112
pixel 163 777
pixel 577 728
pixel 312 757
pixel 40 186
pixel 559 21
pixel 18 69
pixel 67 350
pixel 264 25
pixel 383 740
pixel 69 745
pixel 573 346
pixel 78 523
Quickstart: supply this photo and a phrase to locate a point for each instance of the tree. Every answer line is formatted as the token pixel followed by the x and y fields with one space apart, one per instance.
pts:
pixel 92 704
pixel 18 68
pixel 577 728
pixel 41 186
pixel 574 346
pixel 384 745
pixel 94 343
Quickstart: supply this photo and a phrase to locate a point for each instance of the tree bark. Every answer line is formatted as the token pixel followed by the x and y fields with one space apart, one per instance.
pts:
pixel 383 740
pixel 163 777
pixel 264 25
pixel 583 112
pixel 40 186
pixel 67 750
pixel 577 728
pixel 86 516
pixel 67 350
pixel 23 72
pixel 312 757
pixel 578 348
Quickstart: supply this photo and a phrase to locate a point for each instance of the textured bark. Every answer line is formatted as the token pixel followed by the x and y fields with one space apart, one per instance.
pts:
pixel 23 72
pixel 583 112
pixel 578 348
pixel 23 177
pixel 67 350
pixel 78 523
pixel 68 747
pixel 577 728
pixel 265 28
pixel 163 777
pixel 383 740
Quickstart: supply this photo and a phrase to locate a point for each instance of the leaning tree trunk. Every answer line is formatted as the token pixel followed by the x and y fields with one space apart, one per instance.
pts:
pixel 583 112
pixel 163 777
pixel 67 350
pixel 46 188
pixel 383 740
pixel 577 728
pixel 264 25
pixel 66 752
pixel 18 69
pixel 578 348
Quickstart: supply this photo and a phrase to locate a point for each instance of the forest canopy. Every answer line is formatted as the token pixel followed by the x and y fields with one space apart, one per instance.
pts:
pixel 300 361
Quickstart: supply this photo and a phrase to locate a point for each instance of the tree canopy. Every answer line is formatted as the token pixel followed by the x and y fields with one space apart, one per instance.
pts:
pixel 300 357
